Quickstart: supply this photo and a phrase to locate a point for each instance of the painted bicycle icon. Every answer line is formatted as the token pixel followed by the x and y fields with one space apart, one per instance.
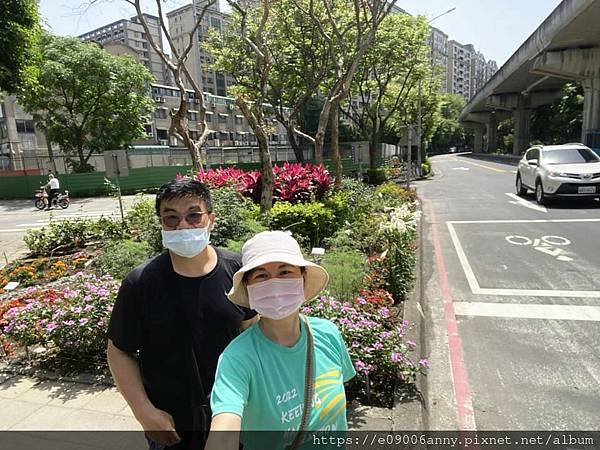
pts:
pixel 550 245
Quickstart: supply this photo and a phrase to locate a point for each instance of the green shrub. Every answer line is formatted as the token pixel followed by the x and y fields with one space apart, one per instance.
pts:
pixel 234 216
pixel 340 204
pixel 377 176
pixel 391 194
pixel 144 224
pixel 361 198
pixel 66 235
pixel 118 258
pixel 308 222
pixel 346 273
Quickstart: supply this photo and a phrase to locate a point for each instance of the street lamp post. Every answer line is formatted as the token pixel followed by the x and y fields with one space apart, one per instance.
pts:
pixel 419 116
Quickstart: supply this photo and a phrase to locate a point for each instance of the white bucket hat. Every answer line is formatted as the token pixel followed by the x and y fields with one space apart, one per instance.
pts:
pixel 276 246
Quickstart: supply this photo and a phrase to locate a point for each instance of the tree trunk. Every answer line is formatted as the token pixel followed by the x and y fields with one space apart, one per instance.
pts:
pixel 266 166
pixel 320 136
pixel 374 144
pixel 294 143
pixel 50 154
pixel 266 195
pixel 335 145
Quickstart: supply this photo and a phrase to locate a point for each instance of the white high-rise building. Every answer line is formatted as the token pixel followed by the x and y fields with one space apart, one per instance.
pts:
pixel 181 23
pixel 129 37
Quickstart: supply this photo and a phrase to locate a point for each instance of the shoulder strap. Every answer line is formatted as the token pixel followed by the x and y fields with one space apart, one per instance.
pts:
pixel 308 385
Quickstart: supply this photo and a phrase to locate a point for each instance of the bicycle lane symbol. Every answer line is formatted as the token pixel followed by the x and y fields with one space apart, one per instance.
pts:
pixel 549 245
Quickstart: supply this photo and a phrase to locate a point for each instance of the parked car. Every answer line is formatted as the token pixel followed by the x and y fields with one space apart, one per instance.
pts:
pixel 551 171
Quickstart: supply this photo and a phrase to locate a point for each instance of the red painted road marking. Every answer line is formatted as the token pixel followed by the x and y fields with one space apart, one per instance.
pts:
pixel 462 392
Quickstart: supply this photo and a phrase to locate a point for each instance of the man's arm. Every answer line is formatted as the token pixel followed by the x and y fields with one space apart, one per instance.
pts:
pixel 158 424
pixel 224 432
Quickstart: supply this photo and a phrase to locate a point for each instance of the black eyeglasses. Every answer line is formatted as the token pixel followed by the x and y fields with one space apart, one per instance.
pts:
pixel 173 220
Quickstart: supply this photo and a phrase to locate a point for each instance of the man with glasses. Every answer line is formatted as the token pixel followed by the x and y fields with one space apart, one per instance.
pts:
pixel 172 320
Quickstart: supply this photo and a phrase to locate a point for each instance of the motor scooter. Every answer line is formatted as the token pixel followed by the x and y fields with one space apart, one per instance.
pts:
pixel 41 199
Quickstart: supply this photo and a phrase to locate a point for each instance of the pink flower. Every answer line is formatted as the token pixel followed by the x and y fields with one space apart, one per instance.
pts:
pixel 411 345
pixel 51 327
pixel 83 321
pixel 423 362
pixel 395 357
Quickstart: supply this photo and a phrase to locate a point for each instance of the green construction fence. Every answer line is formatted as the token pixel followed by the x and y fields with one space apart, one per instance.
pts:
pixel 92 184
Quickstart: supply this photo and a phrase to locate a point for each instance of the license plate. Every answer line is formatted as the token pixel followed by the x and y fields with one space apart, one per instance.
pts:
pixel 586 190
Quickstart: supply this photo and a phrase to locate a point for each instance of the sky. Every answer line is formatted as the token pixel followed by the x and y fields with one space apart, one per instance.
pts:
pixel 495 27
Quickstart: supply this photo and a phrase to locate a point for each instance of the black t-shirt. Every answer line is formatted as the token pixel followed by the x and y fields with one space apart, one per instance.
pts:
pixel 146 318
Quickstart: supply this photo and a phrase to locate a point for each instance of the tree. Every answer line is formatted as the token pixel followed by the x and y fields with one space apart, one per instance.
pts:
pixel 19 36
pixel 88 100
pixel 385 82
pixel 560 121
pixel 248 36
pixel 348 30
pixel 449 133
pixel 182 78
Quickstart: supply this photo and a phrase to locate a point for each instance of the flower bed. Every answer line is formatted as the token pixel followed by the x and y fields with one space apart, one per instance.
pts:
pixel 73 319
pixel 41 270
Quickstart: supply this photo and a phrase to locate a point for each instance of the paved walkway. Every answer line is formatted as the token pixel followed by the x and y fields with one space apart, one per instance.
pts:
pixel 31 404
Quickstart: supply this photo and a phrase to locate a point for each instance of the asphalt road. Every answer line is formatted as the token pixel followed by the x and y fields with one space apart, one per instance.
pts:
pixel 18 216
pixel 511 303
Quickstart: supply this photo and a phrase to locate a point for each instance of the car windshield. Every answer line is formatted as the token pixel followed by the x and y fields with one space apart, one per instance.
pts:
pixel 570 156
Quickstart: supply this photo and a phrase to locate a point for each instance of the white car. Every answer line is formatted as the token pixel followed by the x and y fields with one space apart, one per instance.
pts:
pixel 551 171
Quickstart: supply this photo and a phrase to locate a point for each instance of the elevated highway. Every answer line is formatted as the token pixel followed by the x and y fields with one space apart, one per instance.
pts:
pixel 565 47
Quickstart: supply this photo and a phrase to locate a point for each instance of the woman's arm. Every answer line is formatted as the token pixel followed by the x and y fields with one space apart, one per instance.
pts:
pixel 224 432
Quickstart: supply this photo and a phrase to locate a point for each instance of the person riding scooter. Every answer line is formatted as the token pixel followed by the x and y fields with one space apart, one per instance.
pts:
pixel 54 186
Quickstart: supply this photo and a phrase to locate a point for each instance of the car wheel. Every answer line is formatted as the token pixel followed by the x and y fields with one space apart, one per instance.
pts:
pixel 521 190
pixel 540 197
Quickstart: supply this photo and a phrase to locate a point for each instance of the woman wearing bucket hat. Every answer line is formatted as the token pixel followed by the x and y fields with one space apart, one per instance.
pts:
pixel 265 374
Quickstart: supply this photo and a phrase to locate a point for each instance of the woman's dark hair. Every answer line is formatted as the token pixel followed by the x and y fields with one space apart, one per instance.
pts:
pixel 181 188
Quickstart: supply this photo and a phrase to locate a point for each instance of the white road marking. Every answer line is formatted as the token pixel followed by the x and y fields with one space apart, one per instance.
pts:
pixel 478 290
pixel 522 202
pixel 526 221
pixel 460 168
pixel 528 311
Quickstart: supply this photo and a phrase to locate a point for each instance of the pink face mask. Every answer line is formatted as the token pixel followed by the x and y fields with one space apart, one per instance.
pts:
pixel 276 298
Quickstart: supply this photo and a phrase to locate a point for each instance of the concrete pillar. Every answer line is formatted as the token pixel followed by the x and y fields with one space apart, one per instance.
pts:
pixel 521 120
pixel 591 108
pixel 492 133
pixel 478 140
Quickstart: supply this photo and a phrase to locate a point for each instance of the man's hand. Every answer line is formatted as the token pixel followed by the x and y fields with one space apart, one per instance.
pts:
pixel 159 426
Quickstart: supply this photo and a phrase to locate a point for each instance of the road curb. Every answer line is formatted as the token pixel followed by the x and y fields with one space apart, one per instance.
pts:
pixel 409 410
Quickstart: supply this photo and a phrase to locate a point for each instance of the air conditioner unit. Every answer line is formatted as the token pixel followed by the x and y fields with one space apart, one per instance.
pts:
pixel 162 100
pixel 157 99
pixel 230 106
pixel 213 104
pixel 197 101
pixel 163 142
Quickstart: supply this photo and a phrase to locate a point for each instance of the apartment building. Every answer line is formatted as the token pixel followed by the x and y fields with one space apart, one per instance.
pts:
pixel 129 33
pixel 438 55
pixel 181 23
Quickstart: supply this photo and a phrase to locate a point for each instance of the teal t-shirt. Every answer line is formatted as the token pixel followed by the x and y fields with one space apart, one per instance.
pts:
pixel 263 382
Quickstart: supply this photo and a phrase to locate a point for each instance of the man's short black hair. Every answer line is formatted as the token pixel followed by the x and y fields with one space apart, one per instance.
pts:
pixel 181 188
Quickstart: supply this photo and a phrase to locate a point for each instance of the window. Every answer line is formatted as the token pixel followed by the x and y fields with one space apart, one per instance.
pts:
pixel 162 134
pixel 208 117
pixel 192 115
pixel 160 113
pixel 194 135
pixel 223 118
pixel 533 153
pixel 24 126
pixel 239 120
pixel 215 23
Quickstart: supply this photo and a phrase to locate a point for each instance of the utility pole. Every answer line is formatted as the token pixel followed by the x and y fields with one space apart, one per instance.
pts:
pixel 419 130
pixel 409 157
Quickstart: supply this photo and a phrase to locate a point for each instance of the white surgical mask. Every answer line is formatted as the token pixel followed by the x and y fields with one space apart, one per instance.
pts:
pixel 187 242
pixel 276 298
